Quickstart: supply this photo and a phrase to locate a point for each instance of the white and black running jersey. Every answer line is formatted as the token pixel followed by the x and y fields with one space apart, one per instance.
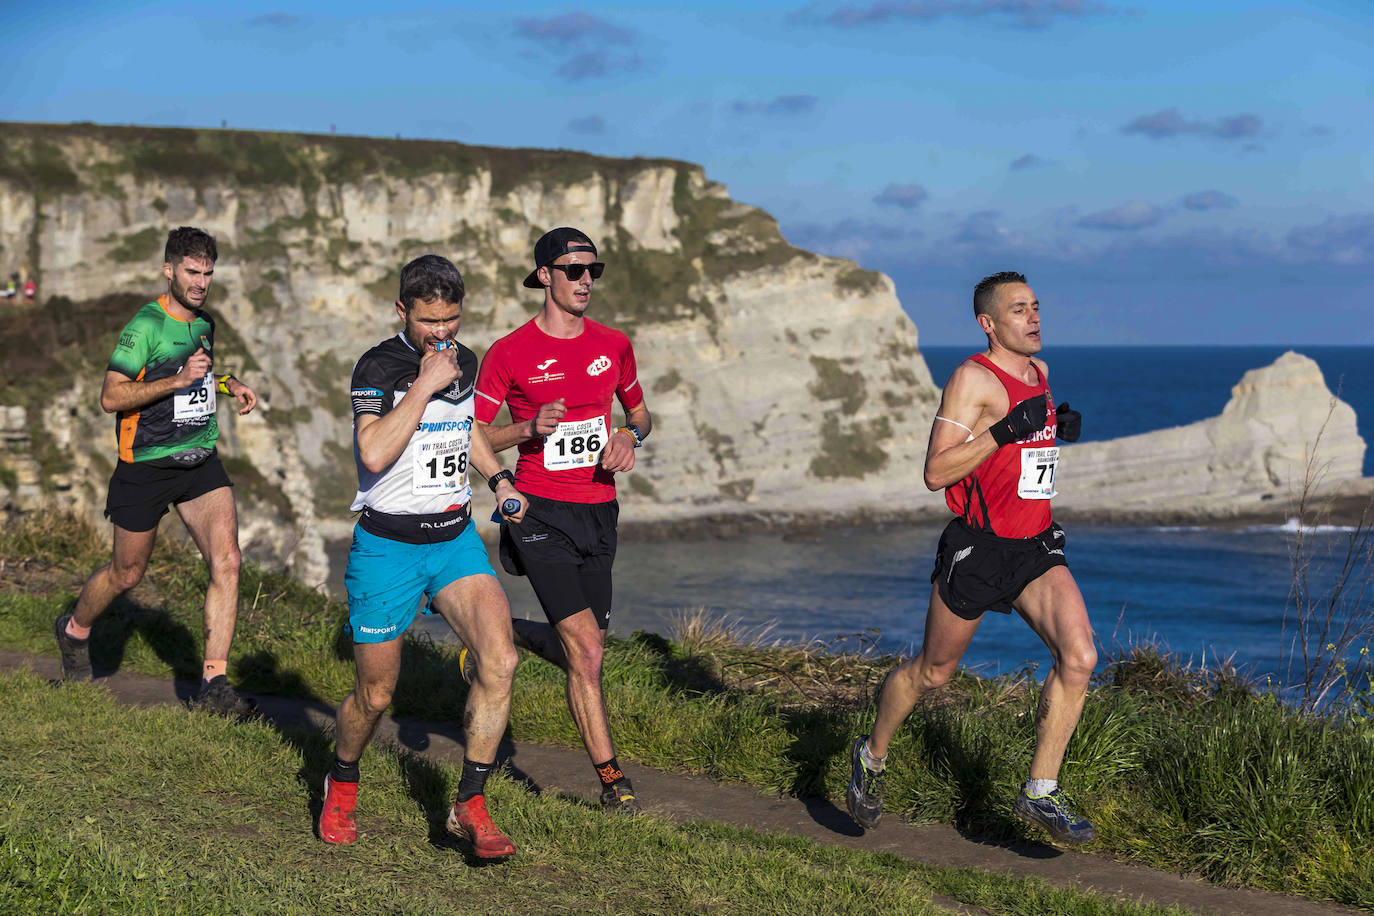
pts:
pixel 426 488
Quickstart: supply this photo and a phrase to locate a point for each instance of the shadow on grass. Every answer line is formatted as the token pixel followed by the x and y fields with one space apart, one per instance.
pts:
pixel 169 639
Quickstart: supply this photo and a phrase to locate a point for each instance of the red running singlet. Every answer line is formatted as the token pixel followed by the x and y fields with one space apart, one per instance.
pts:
pixel 991 498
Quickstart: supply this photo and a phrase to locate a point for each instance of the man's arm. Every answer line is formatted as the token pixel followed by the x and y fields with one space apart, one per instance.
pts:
pixel 121 393
pixel 619 454
pixel 481 457
pixel 542 423
pixel 381 439
pixel 955 449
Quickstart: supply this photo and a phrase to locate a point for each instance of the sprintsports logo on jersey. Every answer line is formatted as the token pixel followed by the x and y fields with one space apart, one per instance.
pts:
pixel 599 365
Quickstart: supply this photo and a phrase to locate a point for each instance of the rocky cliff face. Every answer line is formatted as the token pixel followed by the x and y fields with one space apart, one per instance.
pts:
pixel 781 382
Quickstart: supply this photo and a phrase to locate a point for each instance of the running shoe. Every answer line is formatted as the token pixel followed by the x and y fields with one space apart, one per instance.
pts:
pixel 338 823
pixel 1052 812
pixel 620 797
pixel 76 653
pixel 865 796
pixel 219 698
pixel 471 821
pixel 467 665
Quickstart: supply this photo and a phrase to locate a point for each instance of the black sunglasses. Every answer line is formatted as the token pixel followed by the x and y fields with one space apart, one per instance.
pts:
pixel 574 271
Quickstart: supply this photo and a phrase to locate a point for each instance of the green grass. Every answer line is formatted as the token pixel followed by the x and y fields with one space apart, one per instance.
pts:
pixel 1179 771
pixel 115 809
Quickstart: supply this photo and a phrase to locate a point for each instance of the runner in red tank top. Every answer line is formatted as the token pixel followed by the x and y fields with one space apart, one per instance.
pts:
pixel 558 374
pixel 992 447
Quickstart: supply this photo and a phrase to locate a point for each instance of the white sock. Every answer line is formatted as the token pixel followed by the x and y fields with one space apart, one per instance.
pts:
pixel 1039 788
pixel 874 764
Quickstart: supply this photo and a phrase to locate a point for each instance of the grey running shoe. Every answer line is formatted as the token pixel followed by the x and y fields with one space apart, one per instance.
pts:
pixel 620 797
pixel 865 796
pixel 1052 812
pixel 219 698
pixel 76 653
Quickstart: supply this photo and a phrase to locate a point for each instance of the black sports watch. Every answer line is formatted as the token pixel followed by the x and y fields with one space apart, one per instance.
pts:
pixel 495 479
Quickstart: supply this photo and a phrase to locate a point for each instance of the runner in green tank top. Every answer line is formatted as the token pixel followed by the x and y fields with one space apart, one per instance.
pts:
pixel 178 429
pixel 160 385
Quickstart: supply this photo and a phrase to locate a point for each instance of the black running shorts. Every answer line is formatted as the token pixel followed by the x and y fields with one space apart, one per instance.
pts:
pixel 566 550
pixel 979 572
pixel 139 494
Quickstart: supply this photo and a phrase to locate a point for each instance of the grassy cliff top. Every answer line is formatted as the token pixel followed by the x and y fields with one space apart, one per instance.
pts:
pixel 54 157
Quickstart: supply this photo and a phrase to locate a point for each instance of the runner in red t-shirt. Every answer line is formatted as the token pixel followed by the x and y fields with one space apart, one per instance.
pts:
pixel 558 373
pixel 992 449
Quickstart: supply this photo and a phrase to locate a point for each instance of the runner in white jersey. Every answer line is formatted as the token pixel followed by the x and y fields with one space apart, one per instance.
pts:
pixel 415 445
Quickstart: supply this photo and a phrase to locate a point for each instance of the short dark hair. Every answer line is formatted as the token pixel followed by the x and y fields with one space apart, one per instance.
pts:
pixel 189 242
pixel 430 278
pixel 982 293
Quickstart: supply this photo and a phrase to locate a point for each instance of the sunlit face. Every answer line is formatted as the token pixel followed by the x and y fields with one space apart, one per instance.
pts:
pixel 1015 319
pixel 430 321
pixel 571 296
pixel 188 280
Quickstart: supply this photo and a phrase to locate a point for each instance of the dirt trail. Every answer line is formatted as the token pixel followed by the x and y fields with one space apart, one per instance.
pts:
pixel 689 798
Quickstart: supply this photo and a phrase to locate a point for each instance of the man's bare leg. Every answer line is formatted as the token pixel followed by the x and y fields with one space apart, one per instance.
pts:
pixel 947 636
pixel 475 607
pixel 1054 608
pixel 378 666
pixel 213 523
pixel 583 645
pixel 128 561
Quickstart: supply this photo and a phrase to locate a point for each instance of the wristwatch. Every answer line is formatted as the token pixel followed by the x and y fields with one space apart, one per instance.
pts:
pixel 495 479
pixel 634 433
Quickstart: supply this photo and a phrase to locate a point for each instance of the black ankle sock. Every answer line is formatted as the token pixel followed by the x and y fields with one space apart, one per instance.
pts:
pixel 609 772
pixel 344 771
pixel 474 779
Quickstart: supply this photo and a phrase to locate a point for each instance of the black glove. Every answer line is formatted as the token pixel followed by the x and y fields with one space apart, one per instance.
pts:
pixel 1070 422
pixel 1025 418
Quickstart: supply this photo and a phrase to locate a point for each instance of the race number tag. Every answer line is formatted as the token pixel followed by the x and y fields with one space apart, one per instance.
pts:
pixel 441 463
pixel 576 444
pixel 194 401
pixel 1037 472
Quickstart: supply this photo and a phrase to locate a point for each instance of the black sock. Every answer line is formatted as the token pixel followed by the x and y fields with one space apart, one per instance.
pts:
pixel 474 779
pixel 344 771
pixel 609 772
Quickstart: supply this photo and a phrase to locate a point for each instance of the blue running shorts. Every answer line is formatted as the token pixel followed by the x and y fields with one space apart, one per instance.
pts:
pixel 386 579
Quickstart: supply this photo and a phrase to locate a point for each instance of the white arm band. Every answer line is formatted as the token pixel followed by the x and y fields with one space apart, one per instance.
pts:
pixel 960 425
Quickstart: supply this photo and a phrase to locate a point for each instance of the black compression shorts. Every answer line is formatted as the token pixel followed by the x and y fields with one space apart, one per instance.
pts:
pixel 566 550
pixel 979 572
pixel 139 494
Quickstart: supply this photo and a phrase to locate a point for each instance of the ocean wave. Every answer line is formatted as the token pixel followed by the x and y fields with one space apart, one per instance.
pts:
pixel 1293 526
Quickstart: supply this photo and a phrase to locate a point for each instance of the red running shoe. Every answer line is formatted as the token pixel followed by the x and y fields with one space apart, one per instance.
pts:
pixel 471 821
pixel 337 822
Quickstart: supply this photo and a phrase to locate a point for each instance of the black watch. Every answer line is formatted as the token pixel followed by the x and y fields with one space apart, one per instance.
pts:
pixel 495 479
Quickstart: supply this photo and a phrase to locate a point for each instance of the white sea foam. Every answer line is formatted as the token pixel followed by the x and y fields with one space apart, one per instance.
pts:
pixel 1292 526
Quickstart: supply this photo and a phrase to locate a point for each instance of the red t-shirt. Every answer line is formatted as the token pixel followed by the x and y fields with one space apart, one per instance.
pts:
pixel 1009 493
pixel 527 369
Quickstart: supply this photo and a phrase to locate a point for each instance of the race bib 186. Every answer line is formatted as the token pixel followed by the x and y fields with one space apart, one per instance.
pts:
pixel 196 400
pixel 575 444
pixel 1037 472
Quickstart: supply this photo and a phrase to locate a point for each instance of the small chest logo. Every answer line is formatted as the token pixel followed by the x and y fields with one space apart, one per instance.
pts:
pixel 545 364
pixel 599 365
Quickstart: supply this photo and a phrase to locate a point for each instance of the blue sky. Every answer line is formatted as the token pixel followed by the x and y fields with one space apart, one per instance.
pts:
pixel 1163 172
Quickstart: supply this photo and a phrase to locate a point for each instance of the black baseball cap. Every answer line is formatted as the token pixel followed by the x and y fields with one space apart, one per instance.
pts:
pixel 554 244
